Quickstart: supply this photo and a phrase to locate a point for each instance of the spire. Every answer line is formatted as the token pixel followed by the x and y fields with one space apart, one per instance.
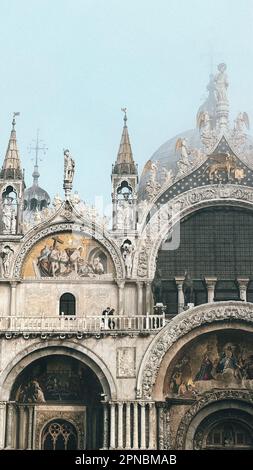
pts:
pixel 11 168
pixel 37 149
pixel 125 162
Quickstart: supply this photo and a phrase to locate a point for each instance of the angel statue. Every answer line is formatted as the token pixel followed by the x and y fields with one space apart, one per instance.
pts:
pixel 69 167
pixel 181 146
pixel 221 83
pixel 204 122
pixel 241 122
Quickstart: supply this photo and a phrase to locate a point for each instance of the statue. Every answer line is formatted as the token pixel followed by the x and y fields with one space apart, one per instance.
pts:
pixel 181 145
pixel 69 167
pixel 221 83
pixel 157 287
pixel 241 122
pixel 204 122
pixel 188 290
pixel 9 216
pixel 127 254
pixel 6 254
pixel 57 201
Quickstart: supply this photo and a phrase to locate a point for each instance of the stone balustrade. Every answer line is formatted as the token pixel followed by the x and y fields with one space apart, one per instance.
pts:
pixel 74 324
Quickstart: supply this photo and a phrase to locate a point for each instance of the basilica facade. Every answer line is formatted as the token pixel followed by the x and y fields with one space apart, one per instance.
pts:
pixel 138 334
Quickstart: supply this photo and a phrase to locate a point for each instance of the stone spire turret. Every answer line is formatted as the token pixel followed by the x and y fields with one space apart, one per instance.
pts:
pixel 124 184
pixel 125 163
pixel 11 168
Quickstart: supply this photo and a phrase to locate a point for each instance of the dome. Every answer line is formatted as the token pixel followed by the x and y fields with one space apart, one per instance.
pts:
pixel 36 198
pixel 166 158
pixel 180 154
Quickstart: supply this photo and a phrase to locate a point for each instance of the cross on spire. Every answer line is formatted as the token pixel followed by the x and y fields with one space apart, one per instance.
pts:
pixel 37 148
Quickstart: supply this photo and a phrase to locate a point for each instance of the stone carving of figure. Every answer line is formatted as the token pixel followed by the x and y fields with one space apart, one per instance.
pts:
pixel 127 254
pixel 69 167
pixel 8 217
pixel 6 254
pixel 204 122
pixel 221 83
pixel 157 286
pixel 181 145
pixel 188 290
pixel 57 201
pixel 241 122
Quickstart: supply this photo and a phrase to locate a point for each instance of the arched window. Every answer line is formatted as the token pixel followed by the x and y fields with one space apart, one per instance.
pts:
pixel 33 204
pixel 59 435
pixel 67 304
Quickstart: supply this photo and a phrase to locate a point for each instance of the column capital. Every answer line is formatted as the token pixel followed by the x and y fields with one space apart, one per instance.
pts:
pixel 210 281
pixel 179 280
pixel 13 284
pixel 139 284
pixel 243 281
pixel 121 283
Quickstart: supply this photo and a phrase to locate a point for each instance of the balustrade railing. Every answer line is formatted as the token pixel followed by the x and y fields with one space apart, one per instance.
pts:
pixel 77 324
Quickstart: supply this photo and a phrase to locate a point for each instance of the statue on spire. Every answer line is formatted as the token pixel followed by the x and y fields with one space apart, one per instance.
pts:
pixel 69 170
pixel 221 84
pixel 69 167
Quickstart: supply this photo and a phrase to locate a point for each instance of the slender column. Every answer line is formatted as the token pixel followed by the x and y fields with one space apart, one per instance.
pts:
pixel 106 426
pixel 140 297
pixel 135 436
pixel 112 429
pixel 148 297
pixel 121 297
pixel 10 425
pixel 210 284
pixel 143 426
pixel 120 425
pixel 179 282
pixel 21 429
pixel 13 298
pixel 243 284
pixel 30 427
pixel 128 425
pixel 2 424
pixel 152 427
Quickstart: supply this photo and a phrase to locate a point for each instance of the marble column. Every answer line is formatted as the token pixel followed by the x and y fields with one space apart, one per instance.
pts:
pixel 112 426
pixel 140 298
pixel 2 424
pixel 152 426
pixel 10 425
pixel 30 427
pixel 180 297
pixel 135 433
pixel 121 297
pixel 120 425
pixel 243 284
pixel 106 426
pixel 21 427
pixel 148 298
pixel 128 425
pixel 13 298
pixel 143 425
pixel 210 284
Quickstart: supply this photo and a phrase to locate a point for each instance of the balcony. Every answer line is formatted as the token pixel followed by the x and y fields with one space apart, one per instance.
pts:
pixel 64 325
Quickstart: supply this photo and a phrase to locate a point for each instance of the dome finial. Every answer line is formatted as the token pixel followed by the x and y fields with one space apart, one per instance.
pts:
pixel 124 110
pixel 37 148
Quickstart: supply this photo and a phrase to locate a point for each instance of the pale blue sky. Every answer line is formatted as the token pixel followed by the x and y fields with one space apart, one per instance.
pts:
pixel 69 66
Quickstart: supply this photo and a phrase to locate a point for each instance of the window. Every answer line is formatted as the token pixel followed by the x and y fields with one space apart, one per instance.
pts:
pixel 226 290
pixel 67 304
